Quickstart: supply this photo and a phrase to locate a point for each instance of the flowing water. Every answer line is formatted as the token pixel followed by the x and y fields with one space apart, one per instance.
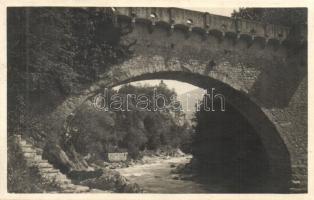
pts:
pixel 156 177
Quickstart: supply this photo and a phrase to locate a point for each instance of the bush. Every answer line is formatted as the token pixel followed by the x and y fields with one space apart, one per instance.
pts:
pixel 52 54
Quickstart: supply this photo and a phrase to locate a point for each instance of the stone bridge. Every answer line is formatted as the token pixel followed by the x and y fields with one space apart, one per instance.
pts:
pixel 260 68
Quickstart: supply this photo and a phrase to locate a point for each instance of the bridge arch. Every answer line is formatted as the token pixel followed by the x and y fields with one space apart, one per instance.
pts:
pixel 277 152
pixel 256 78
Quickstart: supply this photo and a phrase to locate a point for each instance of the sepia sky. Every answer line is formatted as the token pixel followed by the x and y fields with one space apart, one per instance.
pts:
pixel 179 87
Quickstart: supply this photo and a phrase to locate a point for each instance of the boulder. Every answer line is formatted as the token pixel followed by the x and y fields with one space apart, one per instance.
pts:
pixel 83 175
pixel 62 160
pixel 112 180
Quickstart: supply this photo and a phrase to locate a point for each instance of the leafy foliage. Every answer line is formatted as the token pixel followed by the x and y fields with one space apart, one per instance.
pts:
pixel 100 132
pixel 279 16
pixel 53 53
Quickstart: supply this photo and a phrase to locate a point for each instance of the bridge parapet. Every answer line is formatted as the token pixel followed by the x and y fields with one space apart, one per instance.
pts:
pixel 206 22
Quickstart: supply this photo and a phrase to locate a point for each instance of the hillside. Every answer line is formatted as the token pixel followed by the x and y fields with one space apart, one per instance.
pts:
pixel 188 101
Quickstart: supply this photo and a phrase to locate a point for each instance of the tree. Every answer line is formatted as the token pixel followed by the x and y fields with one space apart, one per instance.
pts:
pixel 128 131
pixel 53 53
pixel 279 16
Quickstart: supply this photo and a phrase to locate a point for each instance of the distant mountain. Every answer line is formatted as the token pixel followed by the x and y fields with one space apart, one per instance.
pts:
pixel 188 101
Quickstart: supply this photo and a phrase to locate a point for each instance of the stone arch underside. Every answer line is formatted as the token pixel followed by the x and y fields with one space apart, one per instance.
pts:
pixel 276 149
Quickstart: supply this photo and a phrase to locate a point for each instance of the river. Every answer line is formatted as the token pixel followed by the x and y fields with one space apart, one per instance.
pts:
pixel 156 177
